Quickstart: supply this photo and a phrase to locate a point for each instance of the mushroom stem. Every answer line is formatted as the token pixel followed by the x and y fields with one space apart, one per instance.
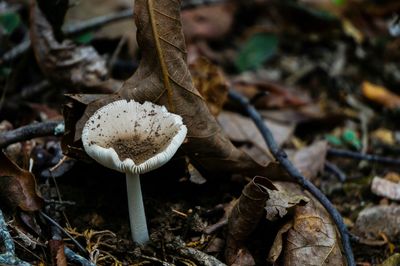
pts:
pixel 137 216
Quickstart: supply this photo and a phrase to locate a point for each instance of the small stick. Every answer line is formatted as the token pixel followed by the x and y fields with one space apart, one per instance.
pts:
pixel 333 168
pixel 65 232
pixel 34 130
pixel 8 257
pixel 362 156
pixel 281 156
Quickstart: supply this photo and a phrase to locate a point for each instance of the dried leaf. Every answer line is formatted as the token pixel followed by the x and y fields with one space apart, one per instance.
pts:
pixel 242 129
pixel 281 200
pixel 380 95
pixel 18 186
pixel 310 160
pixel 57 252
pixel 244 218
pixel 313 239
pixel 385 188
pixel 64 63
pixel 370 225
pixel 163 78
pixel 277 247
pixel 209 80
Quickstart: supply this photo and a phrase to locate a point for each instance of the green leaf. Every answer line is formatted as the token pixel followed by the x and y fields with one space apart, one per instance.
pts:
pixel 9 22
pixel 84 38
pixel 350 137
pixel 339 2
pixel 332 139
pixel 258 49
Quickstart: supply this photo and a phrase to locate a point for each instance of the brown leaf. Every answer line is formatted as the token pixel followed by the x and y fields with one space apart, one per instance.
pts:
pixel 278 95
pixel 313 239
pixel 310 160
pixel 380 95
pixel 209 80
pixel 18 186
pixel 208 22
pixel 244 218
pixel 164 78
pixel 373 221
pixel 57 252
pixel 64 63
pixel 242 129
pixel 385 188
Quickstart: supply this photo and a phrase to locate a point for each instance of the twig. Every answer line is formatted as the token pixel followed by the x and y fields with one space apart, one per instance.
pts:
pixel 8 257
pixel 31 131
pixel 336 171
pixel 72 256
pixel 65 232
pixel 362 156
pixel 97 22
pixel 281 156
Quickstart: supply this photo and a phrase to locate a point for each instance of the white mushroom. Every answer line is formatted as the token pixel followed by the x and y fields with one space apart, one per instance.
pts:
pixel 133 138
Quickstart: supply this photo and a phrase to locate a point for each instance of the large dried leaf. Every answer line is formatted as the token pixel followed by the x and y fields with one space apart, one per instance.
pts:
pixel 244 218
pixel 78 68
pixel 312 240
pixel 18 186
pixel 163 78
pixel 209 80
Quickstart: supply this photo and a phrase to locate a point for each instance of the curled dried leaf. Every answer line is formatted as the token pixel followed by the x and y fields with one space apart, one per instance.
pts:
pixel 79 68
pixel 18 186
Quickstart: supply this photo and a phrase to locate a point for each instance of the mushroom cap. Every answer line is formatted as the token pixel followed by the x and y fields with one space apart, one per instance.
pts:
pixel 131 137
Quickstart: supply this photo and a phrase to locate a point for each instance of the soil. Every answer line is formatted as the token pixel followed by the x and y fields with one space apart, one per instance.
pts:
pixel 134 148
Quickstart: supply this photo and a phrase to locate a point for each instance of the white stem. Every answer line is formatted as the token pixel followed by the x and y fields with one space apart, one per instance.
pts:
pixel 137 217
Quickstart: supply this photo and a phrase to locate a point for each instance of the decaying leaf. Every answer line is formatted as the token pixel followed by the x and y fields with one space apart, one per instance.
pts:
pixel 369 223
pixel 57 252
pixel 78 68
pixel 241 129
pixel 18 186
pixel 310 160
pixel 385 188
pixel 209 80
pixel 164 78
pixel 244 218
pixel 312 240
pixel 281 200
pixel 380 95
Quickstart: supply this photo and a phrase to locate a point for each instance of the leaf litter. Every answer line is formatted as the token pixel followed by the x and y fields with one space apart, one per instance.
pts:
pixel 315 71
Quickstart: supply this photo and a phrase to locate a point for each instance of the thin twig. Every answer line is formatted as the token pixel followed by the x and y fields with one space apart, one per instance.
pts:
pixel 281 156
pixel 362 156
pixel 65 232
pixel 72 256
pixel 336 171
pixel 8 257
pixel 35 130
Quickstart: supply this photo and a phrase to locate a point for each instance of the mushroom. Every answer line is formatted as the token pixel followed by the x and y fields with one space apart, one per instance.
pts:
pixel 133 138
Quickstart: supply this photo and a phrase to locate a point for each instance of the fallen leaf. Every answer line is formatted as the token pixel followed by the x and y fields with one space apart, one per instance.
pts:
pixel 281 201
pixel 277 246
pixel 312 240
pixel 242 129
pixel 384 136
pixel 244 218
pixel 57 252
pixel 64 63
pixel 385 188
pixel 310 160
pixel 163 78
pixel 380 95
pixel 18 186
pixel 209 80
pixel 208 22
pixel 393 260
pixel 370 225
